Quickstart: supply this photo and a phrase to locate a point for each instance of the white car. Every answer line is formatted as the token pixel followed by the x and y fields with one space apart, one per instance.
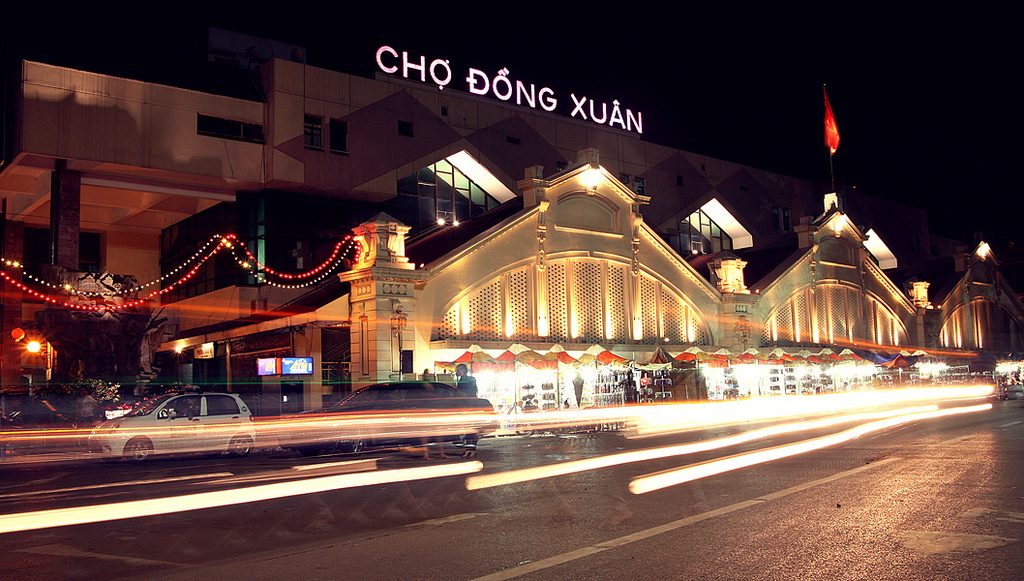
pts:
pixel 178 423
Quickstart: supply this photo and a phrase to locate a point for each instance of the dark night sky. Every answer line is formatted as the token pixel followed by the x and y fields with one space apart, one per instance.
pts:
pixel 923 101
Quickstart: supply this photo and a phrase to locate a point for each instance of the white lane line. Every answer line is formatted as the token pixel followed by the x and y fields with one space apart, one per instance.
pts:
pixel 527 568
pixel 117 484
pixel 66 551
pixel 1011 424
pixel 434 522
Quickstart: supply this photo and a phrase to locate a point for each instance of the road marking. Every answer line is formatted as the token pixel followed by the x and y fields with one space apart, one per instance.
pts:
pixel 1010 424
pixel 1015 517
pixel 66 551
pixel 445 520
pixel 931 543
pixel 527 568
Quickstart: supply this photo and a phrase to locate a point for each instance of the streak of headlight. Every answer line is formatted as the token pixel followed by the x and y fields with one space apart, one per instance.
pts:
pixel 105 512
pixel 119 484
pixel 674 418
pixel 651 482
pixel 536 473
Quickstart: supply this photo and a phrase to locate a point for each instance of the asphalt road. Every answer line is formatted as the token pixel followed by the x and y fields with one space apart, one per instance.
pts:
pixel 931 499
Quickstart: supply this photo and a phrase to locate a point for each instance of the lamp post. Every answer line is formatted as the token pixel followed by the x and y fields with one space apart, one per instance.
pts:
pixel 399 321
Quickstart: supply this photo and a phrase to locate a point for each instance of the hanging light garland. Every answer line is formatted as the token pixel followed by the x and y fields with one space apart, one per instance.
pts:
pixel 199 258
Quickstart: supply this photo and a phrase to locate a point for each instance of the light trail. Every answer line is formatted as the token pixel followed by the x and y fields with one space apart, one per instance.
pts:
pixel 10 523
pixel 118 484
pixel 659 480
pixel 538 472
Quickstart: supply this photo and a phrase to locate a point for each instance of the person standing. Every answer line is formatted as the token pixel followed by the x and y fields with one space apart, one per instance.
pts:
pixel 466 385
pixel 464 382
pixel 88 409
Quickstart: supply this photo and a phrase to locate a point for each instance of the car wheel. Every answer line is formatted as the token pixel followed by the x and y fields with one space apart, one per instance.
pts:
pixel 138 449
pixel 240 446
pixel 353 446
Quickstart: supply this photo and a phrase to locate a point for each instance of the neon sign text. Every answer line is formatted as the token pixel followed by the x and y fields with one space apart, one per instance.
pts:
pixel 501 87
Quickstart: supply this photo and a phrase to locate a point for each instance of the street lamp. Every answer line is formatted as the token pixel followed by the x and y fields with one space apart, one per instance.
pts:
pixel 399 321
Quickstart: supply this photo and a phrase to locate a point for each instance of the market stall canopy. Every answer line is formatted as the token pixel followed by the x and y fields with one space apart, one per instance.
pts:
pixel 691 354
pixel 559 354
pixel 660 359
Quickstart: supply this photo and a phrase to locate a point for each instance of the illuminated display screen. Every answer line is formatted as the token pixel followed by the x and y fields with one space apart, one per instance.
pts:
pixel 296 366
pixel 267 366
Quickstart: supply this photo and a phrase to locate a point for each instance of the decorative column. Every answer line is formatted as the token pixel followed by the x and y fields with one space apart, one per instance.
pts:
pixel 382 300
pixel 736 311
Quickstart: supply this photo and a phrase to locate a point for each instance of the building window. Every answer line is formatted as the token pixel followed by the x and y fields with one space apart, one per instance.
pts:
pixel 228 129
pixel 679 181
pixel 698 234
pixel 514 140
pixel 313 132
pixel 36 251
pixel 785 219
pixel 405 128
pixel 639 185
pixel 440 192
pixel 776 217
pixel 339 136
pixel 181 241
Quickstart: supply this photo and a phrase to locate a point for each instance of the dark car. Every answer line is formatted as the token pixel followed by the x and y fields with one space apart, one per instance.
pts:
pixel 390 414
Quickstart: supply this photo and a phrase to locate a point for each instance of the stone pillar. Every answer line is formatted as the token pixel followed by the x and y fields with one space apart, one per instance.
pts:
pixel 65 215
pixel 383 301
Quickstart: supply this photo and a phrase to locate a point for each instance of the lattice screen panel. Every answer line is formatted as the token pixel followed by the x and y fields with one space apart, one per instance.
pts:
pixel 485 313
pixel 449 326
pixel 558 326
pixel 801 322
pixel 617 303
pixel 784 325
pixel 673 310
pixel 837 311
pixel 589 301
pixel 821 306
pixel 519 306
pixel 700 334
pixel 649 311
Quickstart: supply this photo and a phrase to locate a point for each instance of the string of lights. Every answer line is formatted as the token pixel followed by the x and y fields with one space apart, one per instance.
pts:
pixel 200 257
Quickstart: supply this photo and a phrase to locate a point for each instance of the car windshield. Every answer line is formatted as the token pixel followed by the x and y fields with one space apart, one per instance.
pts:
pixel 148 406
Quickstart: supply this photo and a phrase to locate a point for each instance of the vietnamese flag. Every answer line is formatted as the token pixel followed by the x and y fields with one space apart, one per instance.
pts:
pixel 831 129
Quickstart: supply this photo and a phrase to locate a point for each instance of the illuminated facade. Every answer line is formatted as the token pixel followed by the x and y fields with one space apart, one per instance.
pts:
pixel 381 224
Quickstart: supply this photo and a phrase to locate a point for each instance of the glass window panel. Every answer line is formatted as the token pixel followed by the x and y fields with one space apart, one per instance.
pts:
pixel 426 176
pixel 462 209
pixel 478 196
pixel 444 207
pixel 408 208
pixel 443 167
pixel 428 212
pixel 444 191
pixel 407 186
pixel 461 181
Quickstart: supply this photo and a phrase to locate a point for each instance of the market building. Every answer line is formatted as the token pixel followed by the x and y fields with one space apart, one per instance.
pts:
pixel 333 231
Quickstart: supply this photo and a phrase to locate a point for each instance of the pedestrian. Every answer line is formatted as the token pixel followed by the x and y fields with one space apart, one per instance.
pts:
pixel 467 386
pixel 464 382
pixel 88 408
